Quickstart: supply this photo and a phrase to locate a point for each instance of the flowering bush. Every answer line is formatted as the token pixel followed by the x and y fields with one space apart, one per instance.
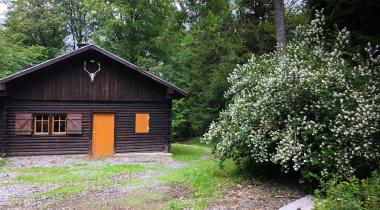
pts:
pixel 311 109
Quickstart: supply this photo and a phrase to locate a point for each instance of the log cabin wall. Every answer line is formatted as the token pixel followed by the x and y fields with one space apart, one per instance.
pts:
pixel 126 140
pixel 2 128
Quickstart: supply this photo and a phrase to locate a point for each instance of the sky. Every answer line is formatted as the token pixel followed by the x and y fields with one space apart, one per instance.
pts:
pixel 3 10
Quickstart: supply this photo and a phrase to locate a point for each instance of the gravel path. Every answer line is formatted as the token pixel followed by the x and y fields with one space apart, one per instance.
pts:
pixel 67 160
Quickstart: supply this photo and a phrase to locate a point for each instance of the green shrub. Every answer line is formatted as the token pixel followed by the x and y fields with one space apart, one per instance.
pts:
pixel 352 194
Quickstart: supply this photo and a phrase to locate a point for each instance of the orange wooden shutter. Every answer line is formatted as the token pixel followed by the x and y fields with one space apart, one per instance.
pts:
pixel 142 123
pixel 74 123
pixel 23 124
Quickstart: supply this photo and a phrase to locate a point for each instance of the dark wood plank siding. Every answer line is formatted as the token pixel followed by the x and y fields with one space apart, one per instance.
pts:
pixel 169 139
pixel 68 81
pixel 2 127
pixel 125 138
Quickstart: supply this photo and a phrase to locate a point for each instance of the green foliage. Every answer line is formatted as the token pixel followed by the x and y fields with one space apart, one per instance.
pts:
pixel 351 194
pixel 218 38
pixel 76 19
pixel 37 23
pixel 15 56
pixel 180 118
pixel 132 29
pixel 360 17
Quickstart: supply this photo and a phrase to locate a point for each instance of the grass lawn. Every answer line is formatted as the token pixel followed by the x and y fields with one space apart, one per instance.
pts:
pixel 202 174
pixel 2 163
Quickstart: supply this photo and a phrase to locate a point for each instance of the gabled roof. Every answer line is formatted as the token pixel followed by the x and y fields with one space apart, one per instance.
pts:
pixel 103 52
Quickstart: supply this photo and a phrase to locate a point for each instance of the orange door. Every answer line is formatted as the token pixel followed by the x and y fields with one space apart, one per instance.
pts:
pixel 103 134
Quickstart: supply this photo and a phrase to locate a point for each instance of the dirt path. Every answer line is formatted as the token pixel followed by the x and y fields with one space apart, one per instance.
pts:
pixel 120 182
pixel 257 196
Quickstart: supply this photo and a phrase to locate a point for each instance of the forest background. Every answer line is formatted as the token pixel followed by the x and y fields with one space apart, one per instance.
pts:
pixel 194 44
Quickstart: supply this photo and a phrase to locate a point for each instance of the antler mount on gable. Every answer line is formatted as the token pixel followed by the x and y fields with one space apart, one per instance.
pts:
pixel 91 74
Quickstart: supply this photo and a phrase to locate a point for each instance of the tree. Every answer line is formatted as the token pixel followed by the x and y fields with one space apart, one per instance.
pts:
pixel 130 29
pixel 360 17
pixel 252 17
pixel 38 23
pixel 75 16
pixel 280 23
pixel 208 53
pixel 14 56
pixel 218 34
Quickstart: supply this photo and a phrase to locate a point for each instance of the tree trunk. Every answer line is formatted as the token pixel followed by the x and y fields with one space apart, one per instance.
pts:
pixel 280 23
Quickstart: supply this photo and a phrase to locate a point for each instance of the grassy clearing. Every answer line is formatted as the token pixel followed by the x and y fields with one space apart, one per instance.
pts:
pixel 192 141
pixel 205 179
pixel 203 175
pixel 186 152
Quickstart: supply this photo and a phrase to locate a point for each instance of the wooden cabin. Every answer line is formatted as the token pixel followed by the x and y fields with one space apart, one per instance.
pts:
pixel 88 101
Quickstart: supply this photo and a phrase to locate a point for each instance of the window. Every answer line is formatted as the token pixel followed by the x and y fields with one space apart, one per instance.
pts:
pixel 142 123
pixel 59 124
pixel 41 124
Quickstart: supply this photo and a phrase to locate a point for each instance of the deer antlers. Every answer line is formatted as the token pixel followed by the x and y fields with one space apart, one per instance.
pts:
pixel 92 75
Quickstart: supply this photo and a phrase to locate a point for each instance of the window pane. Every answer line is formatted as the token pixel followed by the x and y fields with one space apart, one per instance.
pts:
pixel 63 126
pixel 38 126
pixel 45 126
pixel 56 126
pixel 38 117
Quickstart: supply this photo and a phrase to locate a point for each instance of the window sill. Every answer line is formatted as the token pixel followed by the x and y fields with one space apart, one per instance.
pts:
pixel 59 134
pixel 41 134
